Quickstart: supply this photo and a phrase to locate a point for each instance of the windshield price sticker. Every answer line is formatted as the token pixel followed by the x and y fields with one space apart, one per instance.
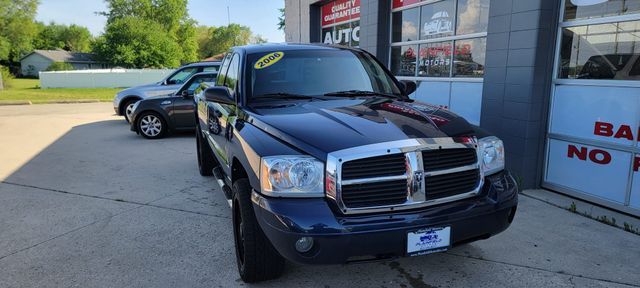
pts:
pixel 268 60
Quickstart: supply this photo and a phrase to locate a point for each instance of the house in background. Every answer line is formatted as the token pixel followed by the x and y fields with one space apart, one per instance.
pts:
pixel 40 60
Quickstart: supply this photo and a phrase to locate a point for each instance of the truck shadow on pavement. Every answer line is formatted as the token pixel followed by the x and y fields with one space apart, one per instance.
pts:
pixel 102 206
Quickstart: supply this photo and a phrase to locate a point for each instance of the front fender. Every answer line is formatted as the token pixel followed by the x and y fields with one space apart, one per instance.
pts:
pixel 249 144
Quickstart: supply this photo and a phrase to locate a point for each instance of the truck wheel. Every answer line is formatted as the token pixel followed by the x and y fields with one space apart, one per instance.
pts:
pixel 257 259
pixel 151 125
pixel 205 157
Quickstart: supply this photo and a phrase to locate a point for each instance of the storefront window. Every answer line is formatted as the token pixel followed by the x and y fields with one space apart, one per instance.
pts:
pixel 473 16
pixel 425 26
pixel 437 19
pixel 603 51
pixel 403 60
pixel 468 57
pixel 587 9
pixel 435 60
pixel 594 112
pixel 406 24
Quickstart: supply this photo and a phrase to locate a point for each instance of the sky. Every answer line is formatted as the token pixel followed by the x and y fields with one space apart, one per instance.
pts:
pixel 260 15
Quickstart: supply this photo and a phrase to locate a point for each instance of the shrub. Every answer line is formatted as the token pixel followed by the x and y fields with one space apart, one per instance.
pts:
pixel 7 77
pixel 60 66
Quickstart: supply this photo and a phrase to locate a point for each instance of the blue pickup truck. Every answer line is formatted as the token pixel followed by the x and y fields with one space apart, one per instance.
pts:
pixel 325 159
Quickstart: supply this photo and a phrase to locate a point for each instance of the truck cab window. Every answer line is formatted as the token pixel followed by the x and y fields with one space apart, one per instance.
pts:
pixel 232 74
pixel 223 70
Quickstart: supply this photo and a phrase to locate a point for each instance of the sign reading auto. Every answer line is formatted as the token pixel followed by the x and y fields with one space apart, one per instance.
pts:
pixel 340 22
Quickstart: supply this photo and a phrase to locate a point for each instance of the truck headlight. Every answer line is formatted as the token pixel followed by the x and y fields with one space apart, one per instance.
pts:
pixel 292 176
pixel 491 153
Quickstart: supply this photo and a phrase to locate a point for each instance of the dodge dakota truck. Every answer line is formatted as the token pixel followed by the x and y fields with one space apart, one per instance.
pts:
pixel 324 159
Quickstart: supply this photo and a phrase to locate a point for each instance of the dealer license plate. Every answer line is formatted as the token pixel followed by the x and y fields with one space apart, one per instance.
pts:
pixel 429 240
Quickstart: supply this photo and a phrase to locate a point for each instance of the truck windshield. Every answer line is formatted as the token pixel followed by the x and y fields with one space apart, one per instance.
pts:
pixel 296 74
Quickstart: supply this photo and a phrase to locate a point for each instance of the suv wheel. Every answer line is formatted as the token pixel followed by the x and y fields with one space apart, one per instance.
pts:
pixel 205 156
pixel 256 257
pixel 151 125
pixel 128 109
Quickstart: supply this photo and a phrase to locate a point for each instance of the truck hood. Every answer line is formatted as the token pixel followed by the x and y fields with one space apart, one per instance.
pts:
pixel 321 127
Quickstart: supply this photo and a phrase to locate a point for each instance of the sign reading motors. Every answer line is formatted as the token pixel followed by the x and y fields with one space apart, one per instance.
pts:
pixel 341 22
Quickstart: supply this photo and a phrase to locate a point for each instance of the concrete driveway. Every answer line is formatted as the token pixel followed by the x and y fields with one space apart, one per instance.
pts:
pixel 85 202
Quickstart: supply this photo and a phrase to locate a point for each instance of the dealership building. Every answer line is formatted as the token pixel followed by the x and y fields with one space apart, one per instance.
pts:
pixel 557 80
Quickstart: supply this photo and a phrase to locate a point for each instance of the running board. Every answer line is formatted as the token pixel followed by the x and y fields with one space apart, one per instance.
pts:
pixel 219 175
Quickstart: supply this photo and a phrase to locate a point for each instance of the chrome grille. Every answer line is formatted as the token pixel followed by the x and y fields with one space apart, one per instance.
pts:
pixel 446 185
pixel 375 194
pixel 403 174
pixel 442 159
pixel 380 166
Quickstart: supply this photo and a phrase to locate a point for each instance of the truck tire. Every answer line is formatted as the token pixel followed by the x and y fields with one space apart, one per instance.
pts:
pixel 205 156
pixel 256 257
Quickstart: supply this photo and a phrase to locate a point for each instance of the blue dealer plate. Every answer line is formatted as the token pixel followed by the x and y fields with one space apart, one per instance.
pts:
pixel 429 240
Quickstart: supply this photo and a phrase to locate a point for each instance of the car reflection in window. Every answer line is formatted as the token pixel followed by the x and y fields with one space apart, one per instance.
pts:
pixel 612 66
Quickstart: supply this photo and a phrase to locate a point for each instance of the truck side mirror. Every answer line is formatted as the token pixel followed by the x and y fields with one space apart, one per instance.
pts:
pixel 408 87
pixel 185 94
pixel 219 95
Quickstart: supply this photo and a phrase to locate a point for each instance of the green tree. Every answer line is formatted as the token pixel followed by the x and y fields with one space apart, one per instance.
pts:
pixel 139 43
pixel 187 40
pixel 55 36
pixel 281 19
pixel 17 28
pixel 77 38
pixel 220 39
pixel 48 36
pixel 203 34
pixel 171 15
pixel 257 39
pixel 60 66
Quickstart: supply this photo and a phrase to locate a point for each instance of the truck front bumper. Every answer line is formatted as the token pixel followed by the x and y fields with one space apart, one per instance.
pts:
pixel 341 239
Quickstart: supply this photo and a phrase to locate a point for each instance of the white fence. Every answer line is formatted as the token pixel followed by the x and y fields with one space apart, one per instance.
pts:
pixel 103 78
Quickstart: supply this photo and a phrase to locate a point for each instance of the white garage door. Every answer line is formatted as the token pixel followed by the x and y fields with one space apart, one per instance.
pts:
pixel 594 128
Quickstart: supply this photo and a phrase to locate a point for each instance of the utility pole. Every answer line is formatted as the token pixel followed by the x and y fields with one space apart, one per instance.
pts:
pixel 228 17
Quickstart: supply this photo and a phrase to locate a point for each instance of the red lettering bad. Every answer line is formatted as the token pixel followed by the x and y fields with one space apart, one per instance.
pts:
pixel 636 164
pixel 608 130
pixel 603 129
pixel 624 132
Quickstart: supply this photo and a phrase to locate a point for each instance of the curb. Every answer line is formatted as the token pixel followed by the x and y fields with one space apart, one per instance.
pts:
pixel 598 213
pixel 70 101
pixel 17 102
pixel 27 102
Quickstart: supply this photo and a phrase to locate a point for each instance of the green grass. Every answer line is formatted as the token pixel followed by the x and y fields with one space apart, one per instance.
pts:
pixel 29 89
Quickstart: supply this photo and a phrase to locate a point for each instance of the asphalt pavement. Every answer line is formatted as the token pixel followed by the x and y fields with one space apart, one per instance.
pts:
pixel 84 202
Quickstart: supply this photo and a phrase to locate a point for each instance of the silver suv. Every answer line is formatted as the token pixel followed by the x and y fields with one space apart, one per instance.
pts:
pixel 124 100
